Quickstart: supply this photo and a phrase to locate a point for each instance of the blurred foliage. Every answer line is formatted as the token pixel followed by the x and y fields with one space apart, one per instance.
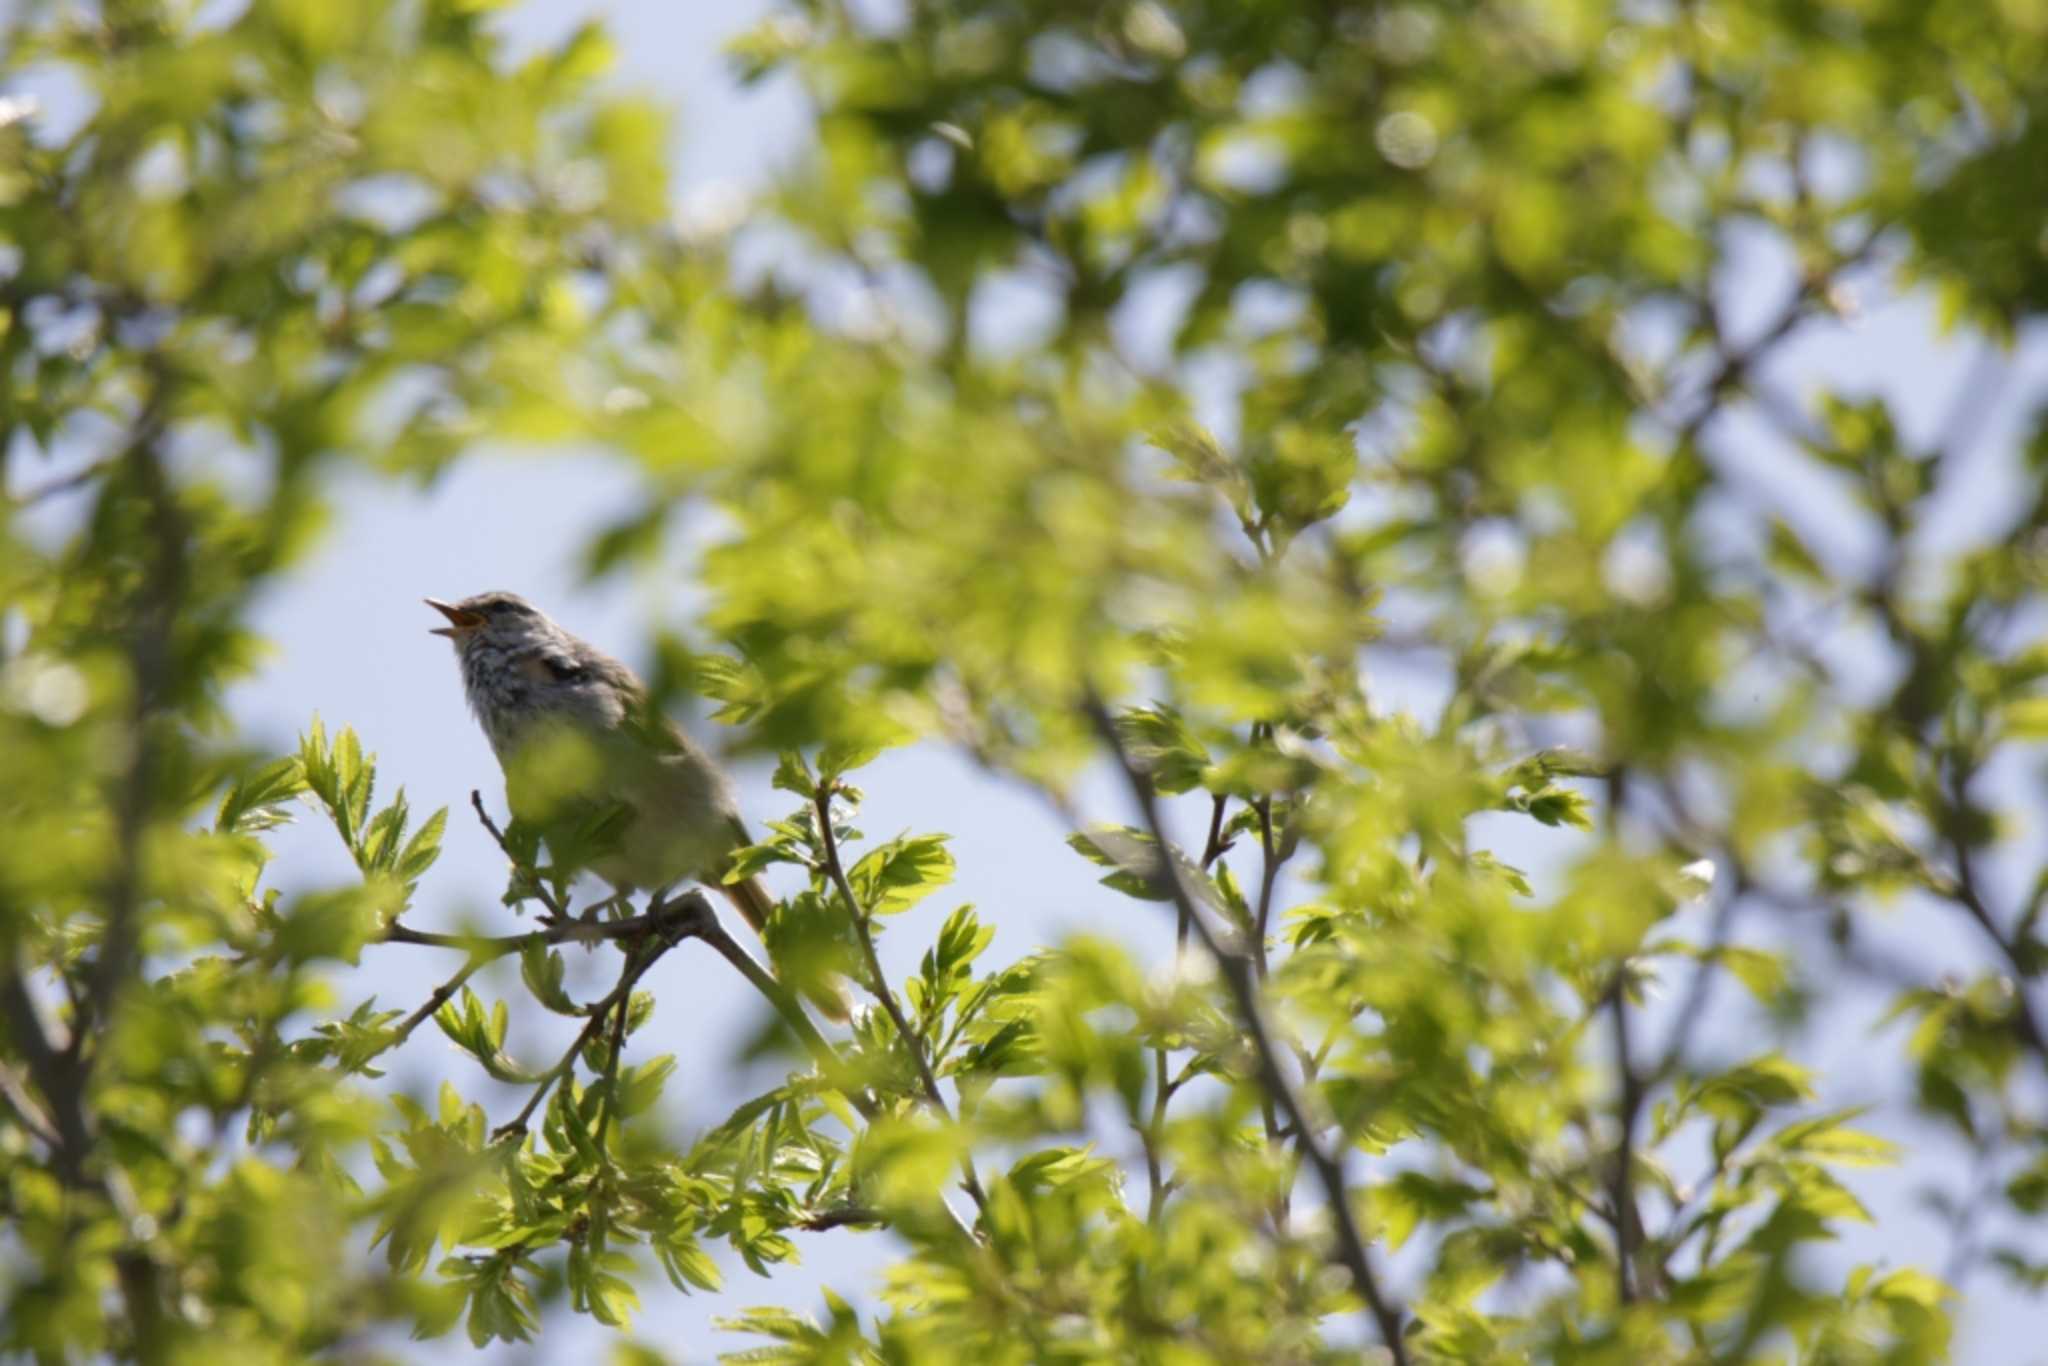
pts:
pixel 1151 383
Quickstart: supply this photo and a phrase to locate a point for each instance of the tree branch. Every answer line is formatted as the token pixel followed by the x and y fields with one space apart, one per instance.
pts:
pixel 822 805
pixel 691 917
pixel 792 1012
pixel 120 945
pixel 1239 974
pixel 556 906
pixel 434 1002
pixel 1970 897
pixel 1628 1231
pixel 61 1078
pixel 1269 874
pixel 1153 1130
pixel 840 1218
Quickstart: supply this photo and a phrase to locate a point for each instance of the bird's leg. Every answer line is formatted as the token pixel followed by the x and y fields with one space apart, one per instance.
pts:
pixel 616 901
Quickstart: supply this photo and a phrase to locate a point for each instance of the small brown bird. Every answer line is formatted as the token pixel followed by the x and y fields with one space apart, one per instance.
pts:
pixel 572 731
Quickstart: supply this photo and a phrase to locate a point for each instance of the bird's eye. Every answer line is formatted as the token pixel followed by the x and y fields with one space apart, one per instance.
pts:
pixel 565 671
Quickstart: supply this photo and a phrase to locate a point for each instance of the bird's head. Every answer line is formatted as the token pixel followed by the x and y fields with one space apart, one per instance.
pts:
pixel 497 618
pixel 519 667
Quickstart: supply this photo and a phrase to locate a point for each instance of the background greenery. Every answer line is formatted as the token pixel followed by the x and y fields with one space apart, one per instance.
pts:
pixel 1341 439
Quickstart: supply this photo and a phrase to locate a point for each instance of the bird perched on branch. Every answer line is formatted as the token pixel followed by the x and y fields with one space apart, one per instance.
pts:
pixel 577 739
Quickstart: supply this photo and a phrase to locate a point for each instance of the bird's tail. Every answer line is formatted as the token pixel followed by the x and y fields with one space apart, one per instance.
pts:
pixel 828 993
pixel 751 899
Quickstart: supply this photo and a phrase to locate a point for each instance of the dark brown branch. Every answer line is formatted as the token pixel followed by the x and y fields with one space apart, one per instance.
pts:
pixel 912 1040
pixel 842 1217
pixel 1239 974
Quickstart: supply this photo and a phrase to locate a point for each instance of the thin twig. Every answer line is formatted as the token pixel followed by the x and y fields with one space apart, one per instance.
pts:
pixel 1268 1115
pixel 1269 874
pixel 433 1003
pixel 695 918
pixel 1153 1131
pixel 609 1101
pixel 567 931
pixel 1966 894
pixel 77 479
pixel 913 1041
pixel 1736 364
pixel 687 917
pixel 1627 1222
pixel 1239 974
pixel 556 906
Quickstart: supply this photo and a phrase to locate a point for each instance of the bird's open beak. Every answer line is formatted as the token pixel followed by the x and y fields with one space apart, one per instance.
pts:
pixel 459 621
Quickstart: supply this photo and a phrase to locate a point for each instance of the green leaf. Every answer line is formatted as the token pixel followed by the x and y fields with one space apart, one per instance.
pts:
pixel 1827 1140
pixel 893 877
pixel 463 1020
pixel 842 757
pixel 337 924
pixel 1908 1285
pixel 1159 742
pixel 641 1086
pixel 687 1264
pixel 255 800
pixel 1765 1082
pixel 793 774
pixel 542 969
pixel 423 848
pixel 1400 1206
pixel 1131 855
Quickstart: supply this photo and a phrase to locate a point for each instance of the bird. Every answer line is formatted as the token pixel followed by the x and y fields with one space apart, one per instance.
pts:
pixel 573 732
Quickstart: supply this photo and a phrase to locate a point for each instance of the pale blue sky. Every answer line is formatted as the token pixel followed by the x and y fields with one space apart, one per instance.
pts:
pixel 352 646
